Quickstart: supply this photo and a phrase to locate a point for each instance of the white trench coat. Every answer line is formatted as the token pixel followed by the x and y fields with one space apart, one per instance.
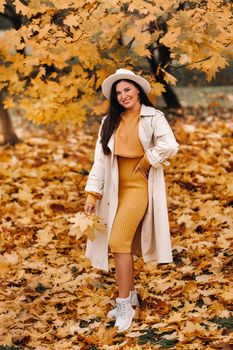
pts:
pixel 152 239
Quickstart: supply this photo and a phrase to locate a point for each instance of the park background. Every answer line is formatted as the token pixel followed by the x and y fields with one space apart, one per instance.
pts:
pixel 51 298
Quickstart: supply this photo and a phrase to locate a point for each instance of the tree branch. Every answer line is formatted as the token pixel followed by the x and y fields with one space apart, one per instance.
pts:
pixel 187 64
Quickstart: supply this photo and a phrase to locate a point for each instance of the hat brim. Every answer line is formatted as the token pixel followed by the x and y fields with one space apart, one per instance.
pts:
pixel 108 82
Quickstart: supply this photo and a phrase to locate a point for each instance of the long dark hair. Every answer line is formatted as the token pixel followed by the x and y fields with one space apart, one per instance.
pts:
pixel 113 118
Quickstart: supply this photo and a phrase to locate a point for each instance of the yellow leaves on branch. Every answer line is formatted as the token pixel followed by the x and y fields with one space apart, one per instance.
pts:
pixel 138 40
pixel 169 78
pixel 83 224
pixel 70 47
pixel 200 37
pixel 212 65
pixel 157 88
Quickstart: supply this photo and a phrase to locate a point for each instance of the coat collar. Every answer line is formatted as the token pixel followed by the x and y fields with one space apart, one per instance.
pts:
pixel 147 111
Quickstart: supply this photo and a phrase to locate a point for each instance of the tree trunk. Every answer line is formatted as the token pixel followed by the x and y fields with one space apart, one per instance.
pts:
pixel 9 135
pixel 169 95
pixel 8 19
pixel 162 58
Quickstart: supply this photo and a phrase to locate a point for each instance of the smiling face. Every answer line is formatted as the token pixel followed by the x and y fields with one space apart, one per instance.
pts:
pixel 127 95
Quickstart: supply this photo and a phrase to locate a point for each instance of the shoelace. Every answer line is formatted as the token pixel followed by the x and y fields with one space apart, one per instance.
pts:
pixel 121 309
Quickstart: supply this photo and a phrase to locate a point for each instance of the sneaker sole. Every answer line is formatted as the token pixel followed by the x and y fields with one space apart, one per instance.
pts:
pixel 124 329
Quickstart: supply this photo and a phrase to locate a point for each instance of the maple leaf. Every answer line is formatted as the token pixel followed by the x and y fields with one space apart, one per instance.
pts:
pixel 24 194
pixel 2 7
pixel 158 88
pixel 20 7
pixel 212 65
pixel 11 258
pixel 170 79
pixel 72 20
pixel 102 336
pixel 86 224
pixel 44 236
pixel 184 58
pixel 9 103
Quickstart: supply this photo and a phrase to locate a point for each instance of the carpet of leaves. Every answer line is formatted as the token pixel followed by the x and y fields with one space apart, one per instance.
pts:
pixel 50 297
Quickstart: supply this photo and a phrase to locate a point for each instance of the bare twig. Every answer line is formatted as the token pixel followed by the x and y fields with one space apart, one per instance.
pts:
pixel 130 43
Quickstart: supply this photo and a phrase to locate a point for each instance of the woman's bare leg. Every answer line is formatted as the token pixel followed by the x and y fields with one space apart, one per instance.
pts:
pixel 124 273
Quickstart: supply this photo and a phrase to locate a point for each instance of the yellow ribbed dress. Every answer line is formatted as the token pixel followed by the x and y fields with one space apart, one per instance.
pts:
pixel 133 187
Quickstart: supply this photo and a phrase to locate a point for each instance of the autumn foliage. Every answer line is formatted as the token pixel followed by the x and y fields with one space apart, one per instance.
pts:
pixel 55 63
pixel 52 299
pixel 53 67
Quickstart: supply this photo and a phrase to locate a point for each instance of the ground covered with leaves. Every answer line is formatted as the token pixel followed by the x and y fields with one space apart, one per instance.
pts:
pixel 51 298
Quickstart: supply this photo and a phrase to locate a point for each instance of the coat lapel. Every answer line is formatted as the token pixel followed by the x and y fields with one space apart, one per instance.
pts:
pixel 114 164
pixel 111 143
pixel 145 129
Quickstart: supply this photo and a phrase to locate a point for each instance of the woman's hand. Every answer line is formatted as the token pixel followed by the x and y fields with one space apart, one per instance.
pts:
pixel 144 172
pixel 89 208
pixel 143 166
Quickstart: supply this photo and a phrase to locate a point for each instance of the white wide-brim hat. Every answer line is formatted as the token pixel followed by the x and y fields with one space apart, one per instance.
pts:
pixel 124 74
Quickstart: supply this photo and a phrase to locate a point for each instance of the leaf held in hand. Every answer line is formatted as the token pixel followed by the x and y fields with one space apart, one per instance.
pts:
pixel 83 224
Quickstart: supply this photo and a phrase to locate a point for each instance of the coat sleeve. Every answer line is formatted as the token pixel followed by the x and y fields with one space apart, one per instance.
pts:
pixel 95 181
pixel 164 141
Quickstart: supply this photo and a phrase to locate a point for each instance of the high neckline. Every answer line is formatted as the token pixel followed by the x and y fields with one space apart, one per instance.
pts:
pixel 128 114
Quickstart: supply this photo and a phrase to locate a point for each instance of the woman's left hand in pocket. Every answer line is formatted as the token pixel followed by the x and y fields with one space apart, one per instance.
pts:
pixel 144 171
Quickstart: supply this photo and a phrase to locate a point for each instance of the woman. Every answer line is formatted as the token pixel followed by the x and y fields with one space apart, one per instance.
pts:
pixel 126 186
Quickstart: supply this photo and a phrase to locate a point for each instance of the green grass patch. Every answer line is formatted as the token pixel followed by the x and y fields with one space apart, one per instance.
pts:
pixel 3 347
pixel 151 336
pixel 225 322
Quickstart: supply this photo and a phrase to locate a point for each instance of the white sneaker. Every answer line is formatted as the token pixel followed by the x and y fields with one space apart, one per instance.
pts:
pixel 134 302
pixel 125 313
